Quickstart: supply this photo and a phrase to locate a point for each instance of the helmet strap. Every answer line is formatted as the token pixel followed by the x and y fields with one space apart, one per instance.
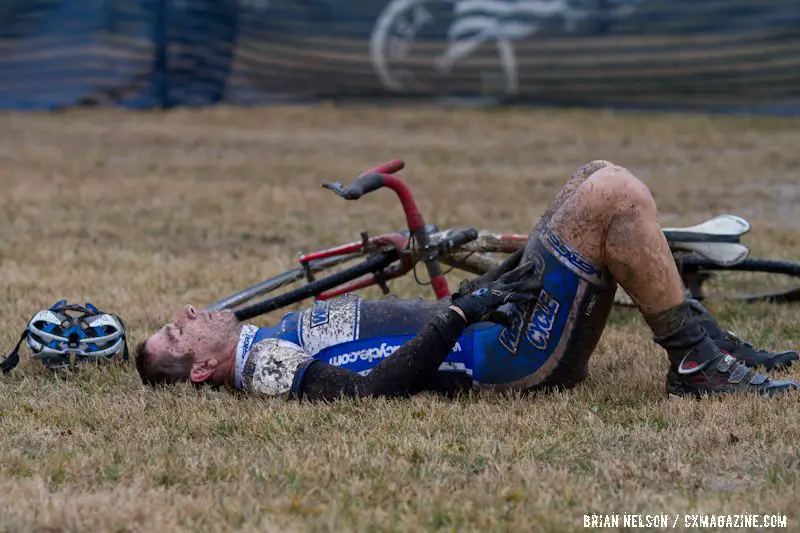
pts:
pixel 124 335
pixel 12 360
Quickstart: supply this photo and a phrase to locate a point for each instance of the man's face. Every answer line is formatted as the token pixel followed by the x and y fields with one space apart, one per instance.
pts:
pixel 206 335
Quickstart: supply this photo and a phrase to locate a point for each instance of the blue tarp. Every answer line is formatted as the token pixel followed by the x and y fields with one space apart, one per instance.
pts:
pixel 732 55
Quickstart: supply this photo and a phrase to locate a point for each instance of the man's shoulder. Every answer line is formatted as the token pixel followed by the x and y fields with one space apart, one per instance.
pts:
pixel 270 366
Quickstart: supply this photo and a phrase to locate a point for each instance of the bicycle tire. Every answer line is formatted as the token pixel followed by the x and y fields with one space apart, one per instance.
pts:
pixel 694 265
pixel 370 265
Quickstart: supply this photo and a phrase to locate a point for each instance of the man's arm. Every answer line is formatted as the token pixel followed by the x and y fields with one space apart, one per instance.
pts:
pixel 413 365
pixel 405 372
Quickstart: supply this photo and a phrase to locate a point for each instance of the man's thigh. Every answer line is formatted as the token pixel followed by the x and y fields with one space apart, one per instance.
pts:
pixel 549 341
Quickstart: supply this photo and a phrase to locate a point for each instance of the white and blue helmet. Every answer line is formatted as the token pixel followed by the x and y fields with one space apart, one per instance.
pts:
pixel 69 334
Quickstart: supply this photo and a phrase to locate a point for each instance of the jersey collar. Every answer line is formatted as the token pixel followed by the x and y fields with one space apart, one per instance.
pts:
pixel 246 338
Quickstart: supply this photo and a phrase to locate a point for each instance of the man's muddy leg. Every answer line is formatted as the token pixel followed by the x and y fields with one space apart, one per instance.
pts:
pixel 564 194
pixel 611 219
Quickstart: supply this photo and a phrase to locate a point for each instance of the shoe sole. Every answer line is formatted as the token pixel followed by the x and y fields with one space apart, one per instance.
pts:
pixel 699 395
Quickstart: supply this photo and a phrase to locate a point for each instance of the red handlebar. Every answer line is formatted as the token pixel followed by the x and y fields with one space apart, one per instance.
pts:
pixel 389 167
pixel 378 177
pixel 415 221
pixel 413 216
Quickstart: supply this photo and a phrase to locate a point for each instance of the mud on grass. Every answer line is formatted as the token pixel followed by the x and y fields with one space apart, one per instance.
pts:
pixel 142 212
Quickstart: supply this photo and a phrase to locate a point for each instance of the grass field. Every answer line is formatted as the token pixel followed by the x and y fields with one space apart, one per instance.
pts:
pixel 140 213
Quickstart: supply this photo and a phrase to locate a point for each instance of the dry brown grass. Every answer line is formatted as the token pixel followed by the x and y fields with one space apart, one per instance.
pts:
pixel 139 213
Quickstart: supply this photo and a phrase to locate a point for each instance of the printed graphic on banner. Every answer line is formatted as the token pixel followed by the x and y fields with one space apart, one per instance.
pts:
pixel 418 44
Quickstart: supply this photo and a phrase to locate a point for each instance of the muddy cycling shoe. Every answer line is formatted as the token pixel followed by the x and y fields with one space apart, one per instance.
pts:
pixel 697 365
pixel 705 371
pixel 742 350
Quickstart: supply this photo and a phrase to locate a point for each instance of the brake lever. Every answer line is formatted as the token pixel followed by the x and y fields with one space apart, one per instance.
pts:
pixel 340 190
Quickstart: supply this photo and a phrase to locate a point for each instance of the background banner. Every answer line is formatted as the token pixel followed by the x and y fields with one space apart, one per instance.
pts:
pixel 732 55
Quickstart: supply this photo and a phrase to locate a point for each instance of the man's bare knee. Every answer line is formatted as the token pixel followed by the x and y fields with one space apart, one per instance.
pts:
pixel 567 193
pixel 585 171
pixel 610 196
pixel 616 189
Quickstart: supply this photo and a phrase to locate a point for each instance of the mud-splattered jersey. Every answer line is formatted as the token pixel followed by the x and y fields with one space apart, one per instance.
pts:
pixel 346 332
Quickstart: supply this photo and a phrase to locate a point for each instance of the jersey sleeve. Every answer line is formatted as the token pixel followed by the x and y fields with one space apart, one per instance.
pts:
pixel 271 367
pixel 410 369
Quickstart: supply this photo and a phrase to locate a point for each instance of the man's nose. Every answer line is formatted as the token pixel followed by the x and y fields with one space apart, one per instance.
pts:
pixel 187 313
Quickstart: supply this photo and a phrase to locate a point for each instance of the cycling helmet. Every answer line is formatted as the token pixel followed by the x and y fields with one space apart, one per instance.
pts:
pixel 69 334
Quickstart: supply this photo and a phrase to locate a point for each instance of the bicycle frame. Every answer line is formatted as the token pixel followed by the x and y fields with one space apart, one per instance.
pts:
pixel 394 271
pixel 467 258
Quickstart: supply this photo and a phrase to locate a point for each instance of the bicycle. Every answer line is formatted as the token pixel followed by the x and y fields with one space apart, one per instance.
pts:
pixel 703 253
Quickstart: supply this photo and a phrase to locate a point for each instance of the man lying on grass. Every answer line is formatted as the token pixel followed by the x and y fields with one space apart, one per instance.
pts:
pixel 531 323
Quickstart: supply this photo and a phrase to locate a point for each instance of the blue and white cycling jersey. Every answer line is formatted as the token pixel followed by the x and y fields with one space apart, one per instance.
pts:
pixel 346 332
pixel 560 329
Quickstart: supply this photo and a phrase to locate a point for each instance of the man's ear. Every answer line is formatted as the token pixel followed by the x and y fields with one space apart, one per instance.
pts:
pixel 202 370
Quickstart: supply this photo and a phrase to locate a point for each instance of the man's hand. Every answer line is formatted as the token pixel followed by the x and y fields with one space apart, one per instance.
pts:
pixel 510 263
pixel 512 287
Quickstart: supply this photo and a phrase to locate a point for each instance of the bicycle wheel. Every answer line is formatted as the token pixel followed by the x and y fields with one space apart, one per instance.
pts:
pixel 752 280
